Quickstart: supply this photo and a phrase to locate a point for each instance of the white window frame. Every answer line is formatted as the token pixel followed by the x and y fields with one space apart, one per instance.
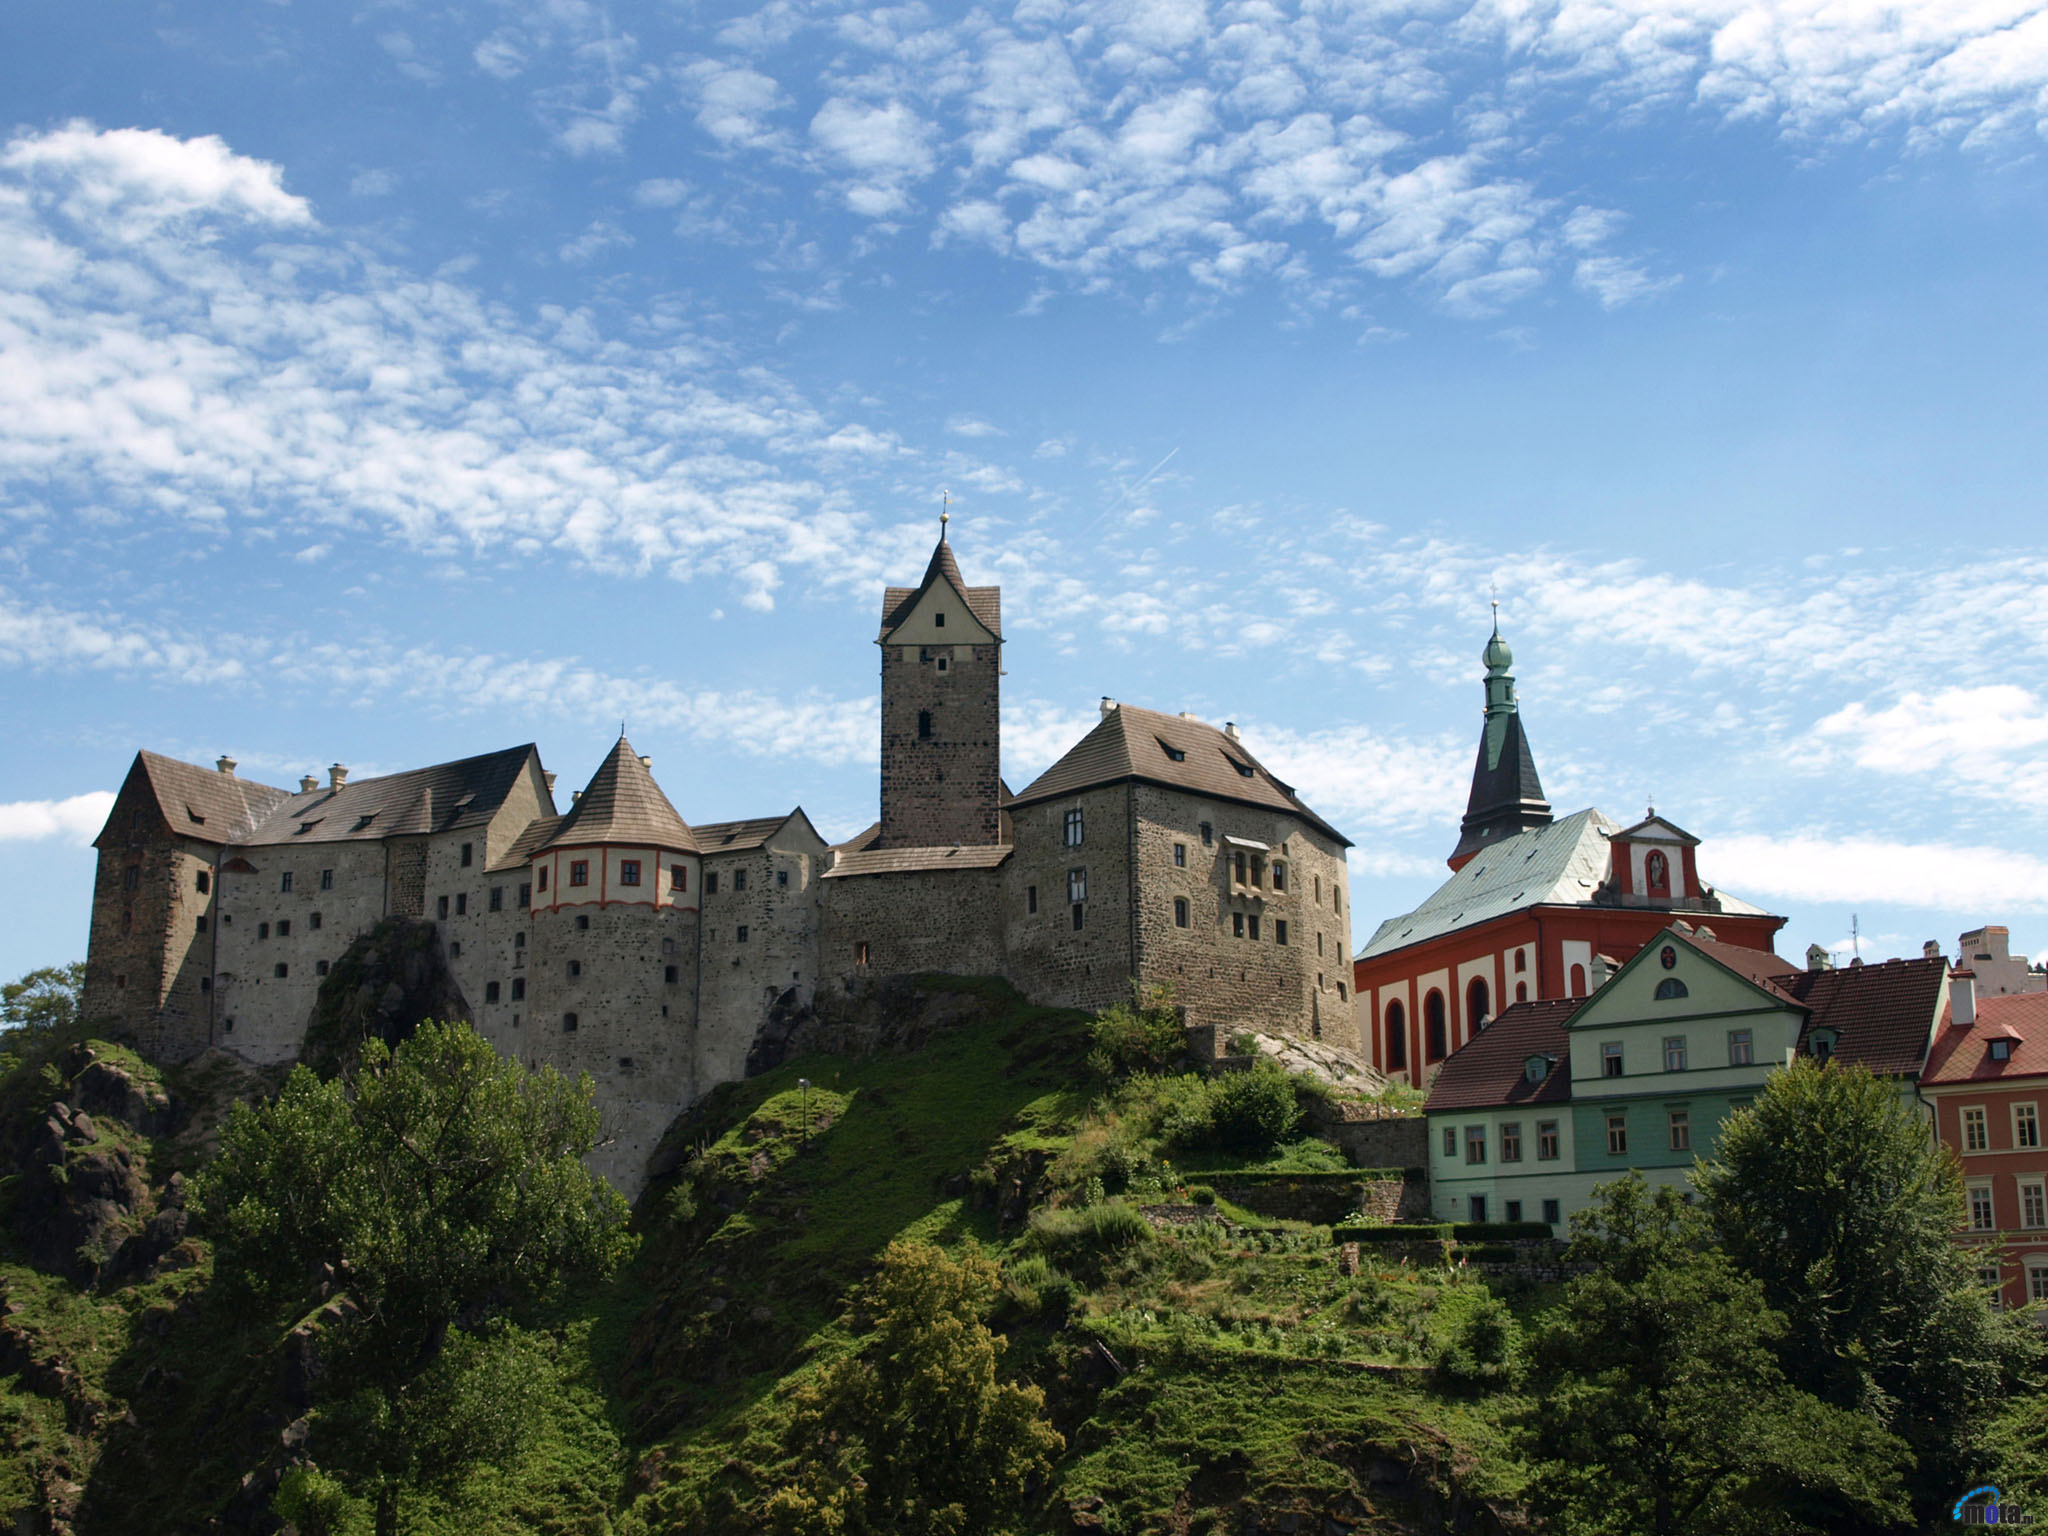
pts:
pixel 1976 1188
pixel 2028 1115
pixel 2033 1202
pixel 1076 827
pixel 1475 1146
pixel 1674 1051
pixel 1974 1117
pixel 1610 1050
pixel 2037 1282
pixel 1741 1048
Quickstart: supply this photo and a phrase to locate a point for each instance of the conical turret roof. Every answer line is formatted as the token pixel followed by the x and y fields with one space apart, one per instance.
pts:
pixel 985 603
pixel 623 804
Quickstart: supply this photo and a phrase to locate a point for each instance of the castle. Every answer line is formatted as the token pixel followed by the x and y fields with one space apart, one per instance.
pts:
pixel 619 940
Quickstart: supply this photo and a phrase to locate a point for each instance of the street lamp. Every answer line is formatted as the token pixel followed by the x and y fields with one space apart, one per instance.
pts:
pixel 804 1083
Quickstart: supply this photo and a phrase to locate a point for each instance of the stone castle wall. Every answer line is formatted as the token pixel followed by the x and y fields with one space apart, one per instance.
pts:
pixel 1047 957
pixel 945 787
pixel 775 966
pixel 944 920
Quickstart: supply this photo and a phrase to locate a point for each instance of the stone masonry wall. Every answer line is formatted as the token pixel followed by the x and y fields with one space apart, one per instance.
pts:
pixel 1049 959
pixel 944 788
pixel 932 921
pixel 775 894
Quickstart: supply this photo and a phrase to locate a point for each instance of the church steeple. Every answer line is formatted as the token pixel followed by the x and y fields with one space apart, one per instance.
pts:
pixel 1506 797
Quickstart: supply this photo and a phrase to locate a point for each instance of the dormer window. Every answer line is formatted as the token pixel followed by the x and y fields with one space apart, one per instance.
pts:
pixel 1244 770
pixel 2001 1050
pixel 1173 754
pixel 1535 1069
pixel 1820 1045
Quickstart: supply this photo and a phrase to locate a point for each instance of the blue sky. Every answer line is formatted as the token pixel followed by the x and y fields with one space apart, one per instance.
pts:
pixel 391 383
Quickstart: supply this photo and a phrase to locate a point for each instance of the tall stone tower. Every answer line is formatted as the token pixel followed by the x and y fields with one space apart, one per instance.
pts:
pixel 942 668
pixel 1506 797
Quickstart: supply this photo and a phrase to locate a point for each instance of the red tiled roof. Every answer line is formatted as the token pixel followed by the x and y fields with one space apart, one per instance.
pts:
pixel 1883 1015
pixel 1487 1071
pixel 1960 1055
pixel 1770 971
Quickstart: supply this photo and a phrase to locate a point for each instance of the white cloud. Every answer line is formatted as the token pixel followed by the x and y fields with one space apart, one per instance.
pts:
pixel 660 192
pixel 882 146
pixel 733 102
pixel 1973 882
pixel 1992 738
pixel 76 820
pixel 373 183
pixel 972 426
pixel 1366 779
pixel 128 181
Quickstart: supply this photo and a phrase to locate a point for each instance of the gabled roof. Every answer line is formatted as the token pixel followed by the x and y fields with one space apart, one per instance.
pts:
pixel 1961 1055
pixel 985 603
pixel 1487 1071
pixel 746 836
pixel 203 803
pixel 1883 1015
pixel 1767 969
pixel 623 804
pixel 441 798
pixel 1563 863
pixel 527 844
pixel 1656 828
pixel 897 861
pixel 1133 743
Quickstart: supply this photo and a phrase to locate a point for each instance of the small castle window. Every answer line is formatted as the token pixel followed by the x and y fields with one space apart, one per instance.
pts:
pixel 519 939
pixel 468 852
pixel 462 904
pixel 313 921
pixel 326 879
pixel 1077 885
pixel 568 1023
pixel 583 921
pixel 1237 925
pixel 525 895
pixel 1279 930
pixel 1208 834
pixel 280 970
pixel 860 952
pixel 284 881
pixel 710 882
pixel 938 621
pixel 1279 875
pixel 199 923
pixel 669 974
pixel 543 877
pixel 284 928
pixel 1180 911
pixel 942 663
pixel 518 989
pixel 205 983
pixel 782 877
pixel 1030 898
pixel 924 725
pixel 739 880
pixel 441 906
pixel 1080 917
pixel 490 991
pixel 263 930
pixel 575 968
pixel 319 967
pixel 1670 987
pixel 1253 922
pixel 1074 828
pixel 629 871
pixel 1242 865
pixel 127 919
pixel 741 935
pixel 205 882
pixel 497 898
pixel 579 871
pixel 1180 855
pixel 679 877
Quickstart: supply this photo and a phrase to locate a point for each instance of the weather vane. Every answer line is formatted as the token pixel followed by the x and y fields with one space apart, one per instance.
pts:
pixel 945 513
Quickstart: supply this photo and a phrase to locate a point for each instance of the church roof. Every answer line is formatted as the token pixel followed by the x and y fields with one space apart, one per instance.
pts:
pixel 204 803
pixel 623 804
pixel 1174 750
pixel 440 798
pixel 1490 1069
pixel 985 603
pixel 1563 863
pixel 1506 794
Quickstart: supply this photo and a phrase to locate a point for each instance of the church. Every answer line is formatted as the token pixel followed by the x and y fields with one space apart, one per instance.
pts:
pixel 1536 908
pixel 616 938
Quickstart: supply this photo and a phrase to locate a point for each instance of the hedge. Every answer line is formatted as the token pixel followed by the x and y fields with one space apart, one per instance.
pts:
pixel 1436 1231
pixel 1281 1176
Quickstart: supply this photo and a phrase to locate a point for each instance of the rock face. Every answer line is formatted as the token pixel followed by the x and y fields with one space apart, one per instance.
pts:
pixel 384 986
pixel 869 1017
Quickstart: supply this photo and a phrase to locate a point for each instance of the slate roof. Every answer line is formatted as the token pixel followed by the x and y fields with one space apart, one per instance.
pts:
pixel 738 836
pixel 985 603
pixel 527 844
pixel 1883 1015
pixel 896 861
pixel 442 798
pixel 1959 1055
pixel 1133 743
pixel 1486 1072
pixel 1561 864
pixel 204 803
pixel 1506 794
pixel 623 804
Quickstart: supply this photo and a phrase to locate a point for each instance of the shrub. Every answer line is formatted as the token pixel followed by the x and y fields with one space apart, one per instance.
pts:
pixel 1251 1111
pixel 1201 1194
pixel 1038 1285
pixel 1143 1035
pixel 1476 1342
pixel 1243 1044
pixel 1084 1240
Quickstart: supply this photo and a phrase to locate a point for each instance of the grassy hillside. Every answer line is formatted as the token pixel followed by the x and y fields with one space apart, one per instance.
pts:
pixel 1219 1372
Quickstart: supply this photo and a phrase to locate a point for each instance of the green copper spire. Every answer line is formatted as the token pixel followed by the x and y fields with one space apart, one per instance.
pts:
pixel 1507 797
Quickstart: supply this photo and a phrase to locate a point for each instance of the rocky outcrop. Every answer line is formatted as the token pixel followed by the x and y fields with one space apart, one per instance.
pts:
pixel 385 985
pixel 885 1014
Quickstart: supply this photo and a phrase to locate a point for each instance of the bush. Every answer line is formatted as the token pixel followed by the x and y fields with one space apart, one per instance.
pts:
pixel 1476 1342
pixel 1243 1044
pixel 1038 1285
pixel 1251 1111
pixel 1084 1240
pixel 1201 1194
pixel 1143 1035
pixel 1498 1231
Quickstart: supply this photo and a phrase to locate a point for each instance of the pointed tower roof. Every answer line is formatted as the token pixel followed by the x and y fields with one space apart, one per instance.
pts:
pixel 1506 797
pixel 623 804
pixel 985 603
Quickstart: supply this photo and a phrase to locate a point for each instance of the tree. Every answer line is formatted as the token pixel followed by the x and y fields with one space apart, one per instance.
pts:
pixel 1831 1192
pixel 912 1434
pixel 1661 1405
pixel 45 1001
pixel 439 1185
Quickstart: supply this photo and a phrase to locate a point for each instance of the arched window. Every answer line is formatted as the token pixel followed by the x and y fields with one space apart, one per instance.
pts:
pixel 1657 873
pixel 1670 987
pixel 1521 991
pixel 1433 1041
pixel 1578 981
pixel 1397 1038
pixel 1478 1003
pixel 1521 959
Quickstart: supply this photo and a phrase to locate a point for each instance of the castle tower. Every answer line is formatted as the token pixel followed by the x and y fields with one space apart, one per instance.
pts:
pixel 942 670
pixel 1506 795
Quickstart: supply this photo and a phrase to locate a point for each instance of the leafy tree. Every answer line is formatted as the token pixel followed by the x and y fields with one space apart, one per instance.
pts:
pixel 438 1185
pixel 1661 1405
pixel 43 1002
pixel 913 1434
pixel 1830 1191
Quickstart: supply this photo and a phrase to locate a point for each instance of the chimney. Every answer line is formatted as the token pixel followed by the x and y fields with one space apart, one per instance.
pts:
pixel 225 764
pixel 1931 950
pixel 1682 926
pixel 575 796
pixel 1817 958
pixel 1187 714
pixel 549 776
pixel 1604 967
pixel 1230 729
pixel 647 763
pixel 1108 704
pixel 307 783
pixel 1704 932
pixel 337 775
pixel 1962 998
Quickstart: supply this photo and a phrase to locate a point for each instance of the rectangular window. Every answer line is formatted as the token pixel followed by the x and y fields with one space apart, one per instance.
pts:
pixel 263 930
pixel 281 970
pixel 1074 830
pixel 579 871
pixel 1279 930
pixel 1208 834
pixel 1342 995
pixel 670 974
pixel 1617 1135
pixel 741 934
pixel 1513 1211
pixel 739 879
pixel 1674 1053
pixel 1739 1048
pixel 1511 1142
pixel 284 881
pixel 1610 1059
pixel 1080 916
pixel 319 967
pixel 1976 1129
pixel 1030 898
pixel 1180 911
pixel 1279 876
pixel 462 904
pixel 575 968
pixel 525 895
pixel 782 877
pixel 1253 922
pixel 1981 1217
pixel 582 922
pixel 543 877
pixel 313 921
pixel 860 952
pixel 710 882
pixel 326 879
pixel 1241 864
pixel 568 1023
pixel 1077 885
pixel 1237 925
pixel 200 923
pixel 467 850
pixel 2037 1283
pixel 1681 1130
pixel 1546 1141
pixel 490 991
pixel 284 928
pixel 441 906
pixel 497 898
pixel 1450 1141
pixel 2034 1204
pixel 1475 1207
pixel 205 882
pixel 1180 859
pixel 1552 1212
pixel 629 871
pixel 518 989
pixel 2026 1125
pixel 1988 1277
pixel 679 877
pixel 1258 870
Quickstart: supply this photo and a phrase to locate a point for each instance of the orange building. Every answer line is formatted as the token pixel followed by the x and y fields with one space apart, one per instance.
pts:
pixel 1535 908
pixel 1987 1081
